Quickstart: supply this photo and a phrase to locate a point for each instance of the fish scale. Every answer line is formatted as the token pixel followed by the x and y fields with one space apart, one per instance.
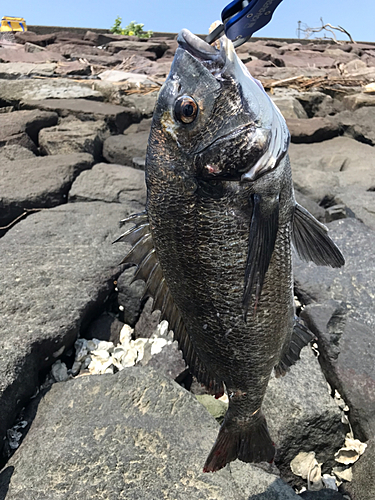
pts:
pixel 214 244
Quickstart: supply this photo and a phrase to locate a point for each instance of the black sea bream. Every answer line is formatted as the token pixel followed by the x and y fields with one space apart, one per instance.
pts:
pixel 215 242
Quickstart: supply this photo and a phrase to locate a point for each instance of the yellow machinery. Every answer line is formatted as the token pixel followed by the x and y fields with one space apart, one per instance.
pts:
pixel 9 23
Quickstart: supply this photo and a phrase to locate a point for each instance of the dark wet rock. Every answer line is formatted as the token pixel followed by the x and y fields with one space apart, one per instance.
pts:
pixel 107 327
pixel 118 118
pixel 74 136
pixel 37 182
pixel 289 106
pixel 331 167
pixel 157 47
pixel 312 130
pixel 318 104
pixel 100 38
pixel 160 436
pixel 342 342
pixel 58 267
pixel 112 184
pixel 301 414
pixel 22 127
pixel 358 124
pixel 362 486
pixel 33 89
pixel 15 152
pixel 325 494
pixel 129 296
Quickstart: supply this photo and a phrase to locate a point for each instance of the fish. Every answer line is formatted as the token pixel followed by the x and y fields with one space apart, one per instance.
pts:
pixel 214 244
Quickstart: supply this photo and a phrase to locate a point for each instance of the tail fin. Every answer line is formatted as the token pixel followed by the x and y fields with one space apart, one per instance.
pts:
pixel 250 444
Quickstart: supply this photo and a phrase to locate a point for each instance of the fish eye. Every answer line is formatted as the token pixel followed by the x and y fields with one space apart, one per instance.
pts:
pixel 185 109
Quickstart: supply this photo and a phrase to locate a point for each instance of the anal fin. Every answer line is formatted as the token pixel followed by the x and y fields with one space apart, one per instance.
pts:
pixel 301 336
pixel 311 241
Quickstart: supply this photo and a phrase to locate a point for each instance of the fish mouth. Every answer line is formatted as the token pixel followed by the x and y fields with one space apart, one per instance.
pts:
pixel 211 57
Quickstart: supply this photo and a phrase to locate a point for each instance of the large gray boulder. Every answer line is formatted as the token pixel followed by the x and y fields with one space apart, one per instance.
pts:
pixel 345 327
pixel 132 435
pixel 358 124
pixel 58 267
pixel 37 182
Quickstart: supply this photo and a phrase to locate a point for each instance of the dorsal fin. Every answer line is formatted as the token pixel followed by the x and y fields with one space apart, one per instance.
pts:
pixel 143 255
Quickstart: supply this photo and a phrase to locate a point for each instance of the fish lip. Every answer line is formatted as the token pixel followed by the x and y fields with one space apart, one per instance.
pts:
pixel 199 48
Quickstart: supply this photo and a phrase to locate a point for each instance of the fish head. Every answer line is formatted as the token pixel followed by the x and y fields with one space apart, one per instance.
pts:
pixel 214 118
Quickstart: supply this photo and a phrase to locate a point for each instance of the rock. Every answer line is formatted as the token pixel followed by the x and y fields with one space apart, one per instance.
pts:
pixel 342 342
pixel 147 324
pixel 356 101
pixel 317 211
pixel 16 56
pixel 139 163
pixel 362 486
pixel 325 494
pixel 107 327
pixel 329 168
pixel 100 38
pixel 359 201
pixel 289 107
pixel 347 337
pixel 33 89
pixel 149 420
pixel 157 47
pixel 12 71
pixel 118 118
pixel 114 75
pixel 112 184
pixel 15 152
pixel 47 187
pixel 168 362
pixel 215 407
pixel 311 130
pixel 22 127
pixel 122 149
pixel 306 58
pixel 74 136
pixel 315 103
pixel 143 103
pixel 301 414
pixel 29 36
pixel 31 47
pixel 58 267
pixel 73 68
pixel 59 371
pixel 358 124
pixel 129 297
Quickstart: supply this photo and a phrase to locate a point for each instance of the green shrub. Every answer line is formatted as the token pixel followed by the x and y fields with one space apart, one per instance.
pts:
pixel 132 29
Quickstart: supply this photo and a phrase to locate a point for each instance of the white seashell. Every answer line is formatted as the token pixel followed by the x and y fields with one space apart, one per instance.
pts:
pixel 101 354
pixel 162 329
pixel 117 364
pixel 351 452
pixel 105 346
pixel 118 353
pixel 306 466
pixel 130 358
pixel 344 474
pixel 126 335
pixel 157 345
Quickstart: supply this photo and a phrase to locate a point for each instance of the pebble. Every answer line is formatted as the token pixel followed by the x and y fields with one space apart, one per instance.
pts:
pixel 59 371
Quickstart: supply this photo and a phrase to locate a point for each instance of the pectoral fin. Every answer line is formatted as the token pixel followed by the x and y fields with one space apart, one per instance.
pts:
pixel 311 241
pixel 262 237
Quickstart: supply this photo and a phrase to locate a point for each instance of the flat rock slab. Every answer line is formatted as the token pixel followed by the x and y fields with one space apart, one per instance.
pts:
pixel 22 127
pixel 74 136
pixel 326 168
pixel 117 117
pixel 289 106
pixel 37 182
pixel 58 268
pixel 133 435
pixel 110 183
pixel 311 130
pixel 34 89
pixel 123 148
pixel 358 124
pixel 13 71
pixel 15 152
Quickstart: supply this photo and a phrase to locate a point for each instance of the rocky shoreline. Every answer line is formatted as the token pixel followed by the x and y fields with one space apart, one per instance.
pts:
pixel 75 111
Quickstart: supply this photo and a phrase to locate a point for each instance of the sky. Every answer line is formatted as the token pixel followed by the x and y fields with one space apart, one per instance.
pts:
pixel 357 17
